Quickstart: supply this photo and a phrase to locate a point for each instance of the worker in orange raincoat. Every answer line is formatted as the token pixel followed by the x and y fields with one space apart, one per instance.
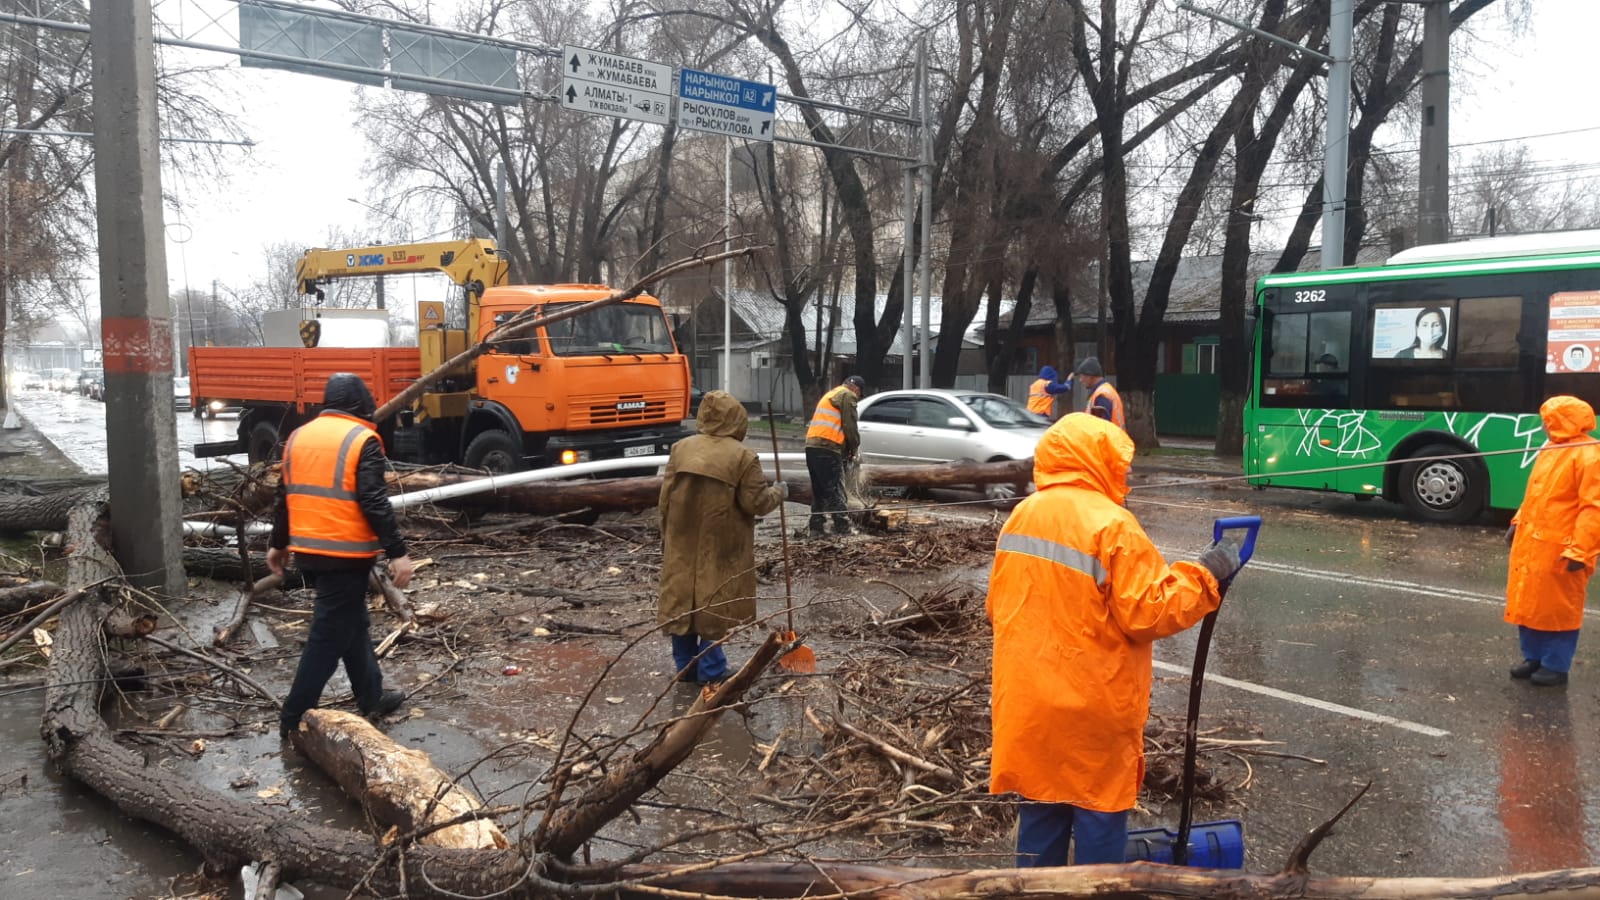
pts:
pixel 1554 538
pixel 1077 595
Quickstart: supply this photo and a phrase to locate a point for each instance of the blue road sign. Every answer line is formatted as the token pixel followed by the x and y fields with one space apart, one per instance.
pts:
pixel 722 104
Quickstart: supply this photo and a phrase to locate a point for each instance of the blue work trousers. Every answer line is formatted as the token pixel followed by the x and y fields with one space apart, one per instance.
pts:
pixel 1553 650
pixel 1045 829
pixel 712 664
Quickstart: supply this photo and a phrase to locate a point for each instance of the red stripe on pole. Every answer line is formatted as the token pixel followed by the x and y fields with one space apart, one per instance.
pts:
pixel 137 346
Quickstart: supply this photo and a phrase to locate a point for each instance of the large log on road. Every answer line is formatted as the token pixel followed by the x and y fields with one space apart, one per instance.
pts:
pixel 396 785
pixel 42 512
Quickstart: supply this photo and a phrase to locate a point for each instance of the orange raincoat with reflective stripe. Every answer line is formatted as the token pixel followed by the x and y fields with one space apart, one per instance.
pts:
pixel 1559 520
pixel 1076 596
pixel 319 478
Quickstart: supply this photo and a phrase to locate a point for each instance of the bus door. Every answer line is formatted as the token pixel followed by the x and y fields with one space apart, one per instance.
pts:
pixel 1305 420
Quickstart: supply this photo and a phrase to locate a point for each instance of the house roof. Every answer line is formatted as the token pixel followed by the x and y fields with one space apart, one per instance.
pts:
pixel 1195 294
pixel 763 316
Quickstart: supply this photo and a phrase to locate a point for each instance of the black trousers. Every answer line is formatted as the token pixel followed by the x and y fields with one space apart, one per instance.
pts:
pixel 827 489
pixel 339 633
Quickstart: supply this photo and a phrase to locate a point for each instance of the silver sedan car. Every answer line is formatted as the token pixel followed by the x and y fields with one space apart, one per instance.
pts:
pixel 928 426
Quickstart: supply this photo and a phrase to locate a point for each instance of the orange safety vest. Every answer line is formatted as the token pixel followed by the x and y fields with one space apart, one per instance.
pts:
pixel 1104 389
pixel 828 422
pixel 319 478
pixel 1039 400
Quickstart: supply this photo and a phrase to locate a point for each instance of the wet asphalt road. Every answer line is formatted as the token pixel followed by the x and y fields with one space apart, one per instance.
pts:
pixel 1356 637
pixel 77 426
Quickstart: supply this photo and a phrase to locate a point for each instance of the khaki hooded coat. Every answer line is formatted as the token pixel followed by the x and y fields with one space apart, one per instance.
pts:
pixel 711 493
pixel 1559 520
pixel 1077 595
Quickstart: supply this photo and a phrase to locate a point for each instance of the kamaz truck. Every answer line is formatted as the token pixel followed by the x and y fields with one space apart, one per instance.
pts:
pixel 606 384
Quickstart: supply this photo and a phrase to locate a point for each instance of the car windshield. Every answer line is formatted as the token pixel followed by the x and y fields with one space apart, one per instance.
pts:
pixel 1003 412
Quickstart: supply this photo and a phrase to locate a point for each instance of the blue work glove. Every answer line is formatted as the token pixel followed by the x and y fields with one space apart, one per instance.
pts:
pixel 1575 565
pixel 1221 559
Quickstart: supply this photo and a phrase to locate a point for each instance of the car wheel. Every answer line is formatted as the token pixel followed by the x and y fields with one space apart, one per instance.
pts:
pixel 1449 491
pixel 495 451
pixel 263 444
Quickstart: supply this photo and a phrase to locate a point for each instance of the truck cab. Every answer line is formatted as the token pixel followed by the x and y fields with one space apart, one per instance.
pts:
pixel 608 383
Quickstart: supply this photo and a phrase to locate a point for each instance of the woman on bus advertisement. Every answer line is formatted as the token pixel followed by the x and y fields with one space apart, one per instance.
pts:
pixel 1432 335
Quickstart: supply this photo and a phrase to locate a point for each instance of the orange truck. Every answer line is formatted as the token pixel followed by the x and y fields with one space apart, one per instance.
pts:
pixel 606 384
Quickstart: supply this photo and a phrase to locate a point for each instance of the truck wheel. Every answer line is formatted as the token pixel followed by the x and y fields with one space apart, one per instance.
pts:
pixel 495 451
pixel 1450 491
pixel 262 444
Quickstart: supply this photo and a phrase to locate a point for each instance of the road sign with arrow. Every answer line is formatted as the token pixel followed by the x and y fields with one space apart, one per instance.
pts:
pixel 607 84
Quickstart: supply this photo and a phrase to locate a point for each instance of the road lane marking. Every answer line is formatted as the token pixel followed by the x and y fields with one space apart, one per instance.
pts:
pixel 1303 700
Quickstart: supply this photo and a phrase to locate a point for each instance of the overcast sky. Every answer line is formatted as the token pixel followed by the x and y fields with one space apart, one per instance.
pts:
pixel 309 157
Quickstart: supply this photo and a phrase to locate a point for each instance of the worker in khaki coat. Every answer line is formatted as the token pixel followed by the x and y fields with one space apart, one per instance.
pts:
pixel 711 493
pixel 1554 538
pixel 1077 595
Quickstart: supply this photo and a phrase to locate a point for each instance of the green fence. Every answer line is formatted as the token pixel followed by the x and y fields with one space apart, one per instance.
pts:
pixel 1187 404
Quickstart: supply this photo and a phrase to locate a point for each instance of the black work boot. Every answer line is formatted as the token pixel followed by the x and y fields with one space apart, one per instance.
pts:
pixel 1525 668
pixel 1548 678
pixel 388 702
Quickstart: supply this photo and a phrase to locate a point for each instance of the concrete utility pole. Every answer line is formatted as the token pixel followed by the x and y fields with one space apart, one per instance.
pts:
pixel 1433 179
pixel 135 309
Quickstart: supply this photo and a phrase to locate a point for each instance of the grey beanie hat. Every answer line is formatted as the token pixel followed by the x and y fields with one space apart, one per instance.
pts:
pixel 1090 366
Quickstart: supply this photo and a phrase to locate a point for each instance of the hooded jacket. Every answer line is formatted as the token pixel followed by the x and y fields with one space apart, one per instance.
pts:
pixel 346 396
pixel 1077 594
pixel 1559 520
pixel 711 493
pixel 1041 394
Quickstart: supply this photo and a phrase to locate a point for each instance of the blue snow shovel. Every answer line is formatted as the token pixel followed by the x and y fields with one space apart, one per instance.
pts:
pixel 1209 845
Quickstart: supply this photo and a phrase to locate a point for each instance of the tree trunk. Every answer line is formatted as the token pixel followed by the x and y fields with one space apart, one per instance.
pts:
pixel 19 513
pixel 16 599
pixel 397 786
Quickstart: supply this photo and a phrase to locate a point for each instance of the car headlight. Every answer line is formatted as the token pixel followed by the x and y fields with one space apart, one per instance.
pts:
pixel 217 406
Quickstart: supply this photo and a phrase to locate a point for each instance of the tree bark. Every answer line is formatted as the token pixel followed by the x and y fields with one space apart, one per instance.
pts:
pixel 16 599
pixel 397 786
pixel 45 512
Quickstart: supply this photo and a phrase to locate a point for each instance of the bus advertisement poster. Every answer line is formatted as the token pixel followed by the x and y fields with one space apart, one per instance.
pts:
pixel 1411 332
pixel 1573 339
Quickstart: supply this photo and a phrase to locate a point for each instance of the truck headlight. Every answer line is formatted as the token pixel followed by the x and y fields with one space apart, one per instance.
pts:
pixel 568 457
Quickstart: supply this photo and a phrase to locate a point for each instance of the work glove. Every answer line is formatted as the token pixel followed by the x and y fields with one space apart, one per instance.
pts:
pixel 1221 559
pixel 1575 565
pixel 1511 534
pixel 783 489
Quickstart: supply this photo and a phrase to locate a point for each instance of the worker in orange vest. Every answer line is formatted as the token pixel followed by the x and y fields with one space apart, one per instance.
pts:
pixel 1104 401
pixel 1042 393
pixel 1077 595
pixel 333 512
pixel 832 440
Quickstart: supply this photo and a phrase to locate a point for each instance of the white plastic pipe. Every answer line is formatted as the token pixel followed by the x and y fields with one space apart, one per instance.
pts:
pixel 553 473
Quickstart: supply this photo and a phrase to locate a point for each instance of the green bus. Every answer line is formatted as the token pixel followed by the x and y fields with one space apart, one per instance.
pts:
pixel 1444 350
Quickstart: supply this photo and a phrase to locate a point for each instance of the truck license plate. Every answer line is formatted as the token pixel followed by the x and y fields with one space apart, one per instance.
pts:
pixel 644 450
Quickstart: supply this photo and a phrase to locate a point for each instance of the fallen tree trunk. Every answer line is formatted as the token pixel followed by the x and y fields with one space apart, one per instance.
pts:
pixel 397 786
pixel 16 599
pixel 42 512
pixel 225 565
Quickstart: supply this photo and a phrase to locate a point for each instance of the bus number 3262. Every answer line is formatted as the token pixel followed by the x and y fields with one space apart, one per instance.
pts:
pixel 1310 296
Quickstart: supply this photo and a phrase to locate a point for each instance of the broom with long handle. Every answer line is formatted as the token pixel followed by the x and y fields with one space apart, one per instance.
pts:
pixel 800 659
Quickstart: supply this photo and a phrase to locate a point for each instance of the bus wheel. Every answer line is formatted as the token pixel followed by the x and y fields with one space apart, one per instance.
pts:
pixel 262 444
pixel 1443 490
pixel 495 451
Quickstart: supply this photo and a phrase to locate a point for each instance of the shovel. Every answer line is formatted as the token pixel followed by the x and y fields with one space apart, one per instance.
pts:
pixel 1216 845
pixel 800 659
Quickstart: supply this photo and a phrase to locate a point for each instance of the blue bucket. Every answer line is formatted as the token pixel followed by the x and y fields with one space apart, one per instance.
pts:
pixel 1212 845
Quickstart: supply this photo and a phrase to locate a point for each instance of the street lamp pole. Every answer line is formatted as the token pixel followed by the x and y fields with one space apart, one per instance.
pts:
pixel 1336 149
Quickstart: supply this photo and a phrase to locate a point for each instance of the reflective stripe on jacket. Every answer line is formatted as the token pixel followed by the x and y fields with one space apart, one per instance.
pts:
pixel 1559 520
pixel 1077 594
pixel 1107 391
pixel 1040 400
pixel 319 478
pixel 827 422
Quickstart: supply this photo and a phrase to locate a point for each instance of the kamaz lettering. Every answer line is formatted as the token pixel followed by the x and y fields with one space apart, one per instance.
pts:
pixel 630 405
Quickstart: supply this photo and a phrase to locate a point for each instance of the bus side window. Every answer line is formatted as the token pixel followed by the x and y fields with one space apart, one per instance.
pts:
pixel 1309 363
